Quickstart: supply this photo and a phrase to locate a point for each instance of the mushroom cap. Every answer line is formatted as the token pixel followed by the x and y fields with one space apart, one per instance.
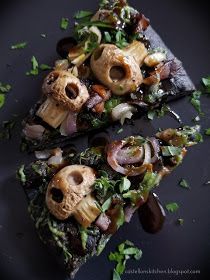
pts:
pixel 67 188
pixel 66 89
pixel 107 60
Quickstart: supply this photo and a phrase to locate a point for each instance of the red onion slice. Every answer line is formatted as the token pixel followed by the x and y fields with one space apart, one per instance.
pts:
pixel 34 131
pixel 156 149
pixel 69 125
pixel 130 155
pixel 103 222
pixel 112 153
pixel 57 157
pixel 129 212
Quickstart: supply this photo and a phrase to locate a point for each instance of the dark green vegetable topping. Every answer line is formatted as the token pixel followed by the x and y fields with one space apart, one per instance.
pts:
pixel 172 207
pixel 21 45
pixel 64 23
pixel 184 184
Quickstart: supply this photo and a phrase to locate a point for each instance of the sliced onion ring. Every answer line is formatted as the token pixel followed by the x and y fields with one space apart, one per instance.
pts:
pixel 156 149
pixel 129 170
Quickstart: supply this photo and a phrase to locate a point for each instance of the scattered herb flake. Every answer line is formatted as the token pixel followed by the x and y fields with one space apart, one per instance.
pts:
pixel 45 67
pixel 125 184
pixel 184 184
pixel 82 14
pixel 21 175
pixel 2 100
pixel 106 204
pixel 35 67
pixel 17 46
pixel 107 37
pixel 43 35
pixel 6 131
pixel 124 252
pixel 84 236
pixel 64 23
pixel 195 101
pixel 207 131
pixel 168 151
pixel 172 207
pixel 180 221
pixel 120 131
pixel 151 114
pixel 206 82
pixel 4 88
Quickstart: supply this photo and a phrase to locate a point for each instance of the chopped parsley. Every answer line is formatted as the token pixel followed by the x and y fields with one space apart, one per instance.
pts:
pixel 84 236
pixel 184 184
pixel 21 175
pixel 195 101
pixel 168 151
pixel 180 221
pixel 35 67
pixel 207 131
pixel 64 23
pixel 124 252
pixel 206 82
pixel 82 14
pixel 17 46
pixel 125 185
pixel 106 204
pixel 172 207
pixel 4 88
pixel 6 131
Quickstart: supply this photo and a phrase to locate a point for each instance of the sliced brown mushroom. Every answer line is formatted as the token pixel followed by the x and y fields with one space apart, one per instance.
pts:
pixel 66 89
pixel 116 70
pixel 69 193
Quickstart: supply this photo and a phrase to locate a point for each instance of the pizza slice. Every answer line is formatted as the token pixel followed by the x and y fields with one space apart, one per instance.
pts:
pixel 114 69
pixel 79 200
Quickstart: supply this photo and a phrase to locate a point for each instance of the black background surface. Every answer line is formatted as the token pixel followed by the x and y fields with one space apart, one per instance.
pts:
pixel 184 26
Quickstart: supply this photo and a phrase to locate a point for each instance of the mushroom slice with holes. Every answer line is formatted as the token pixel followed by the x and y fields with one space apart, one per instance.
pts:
pixel 116 70
pixel 68 194
pixel 66 89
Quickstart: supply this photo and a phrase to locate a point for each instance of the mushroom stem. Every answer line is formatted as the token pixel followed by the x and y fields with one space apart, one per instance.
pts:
pixel 86 211
pixel 52 113
pixel 137 50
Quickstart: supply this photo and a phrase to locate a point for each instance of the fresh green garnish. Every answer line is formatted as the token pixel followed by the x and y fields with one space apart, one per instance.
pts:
pixel 172 207
pixel 206 82
pixel 168 151
pixel 103 184
pixel 184 184
pixel 158 112
pixel 21 175
pixel 198 137
pixel 4 88
pixel 107 37
pixel 35 67
pixel 125 184
pixel 82 14
pixel 195 101
pixel 207 131
pixel 84 236
pixel 150 180
pixel 112 103
pixel 120 38
pixel 124 252
pixel 106 204
pixel 45 67
pixel 180 222
pixel 21 45
pixel 120 131
pixel 64 23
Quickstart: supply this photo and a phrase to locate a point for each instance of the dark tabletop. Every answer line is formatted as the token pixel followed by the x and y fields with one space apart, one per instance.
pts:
pixel 184 26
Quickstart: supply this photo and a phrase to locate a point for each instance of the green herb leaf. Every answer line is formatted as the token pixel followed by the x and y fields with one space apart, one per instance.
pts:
pixel 125 251
pixel 82 14
pixel 151 114
pixel 21 175
pixel 121 41
pixel 6 131
pixel 180 222
pixel 21 45
pixel 106 204
pixel 183 183
pixel 195 101
pixel 125 184
pixel 4 88
pixel 64 23
pixel 107 37
pixel 45 67
pixel 35 70
pixel 206 82
pixel 2 100
pixel 120 131
pixel 84 237
pixel 121 217
pixel 116 275
pixel 172 207
pixel 168 151
pixel 207 131
pixel 112 103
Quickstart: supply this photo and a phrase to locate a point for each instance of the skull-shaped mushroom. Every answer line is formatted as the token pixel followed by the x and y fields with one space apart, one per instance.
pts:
pixel 69 193
pixel 119 69
pixel 64 93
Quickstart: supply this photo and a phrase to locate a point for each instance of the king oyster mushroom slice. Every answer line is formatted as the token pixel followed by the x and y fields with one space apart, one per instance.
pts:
pixel 64 93
pixel 69 194
pixel 116 70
